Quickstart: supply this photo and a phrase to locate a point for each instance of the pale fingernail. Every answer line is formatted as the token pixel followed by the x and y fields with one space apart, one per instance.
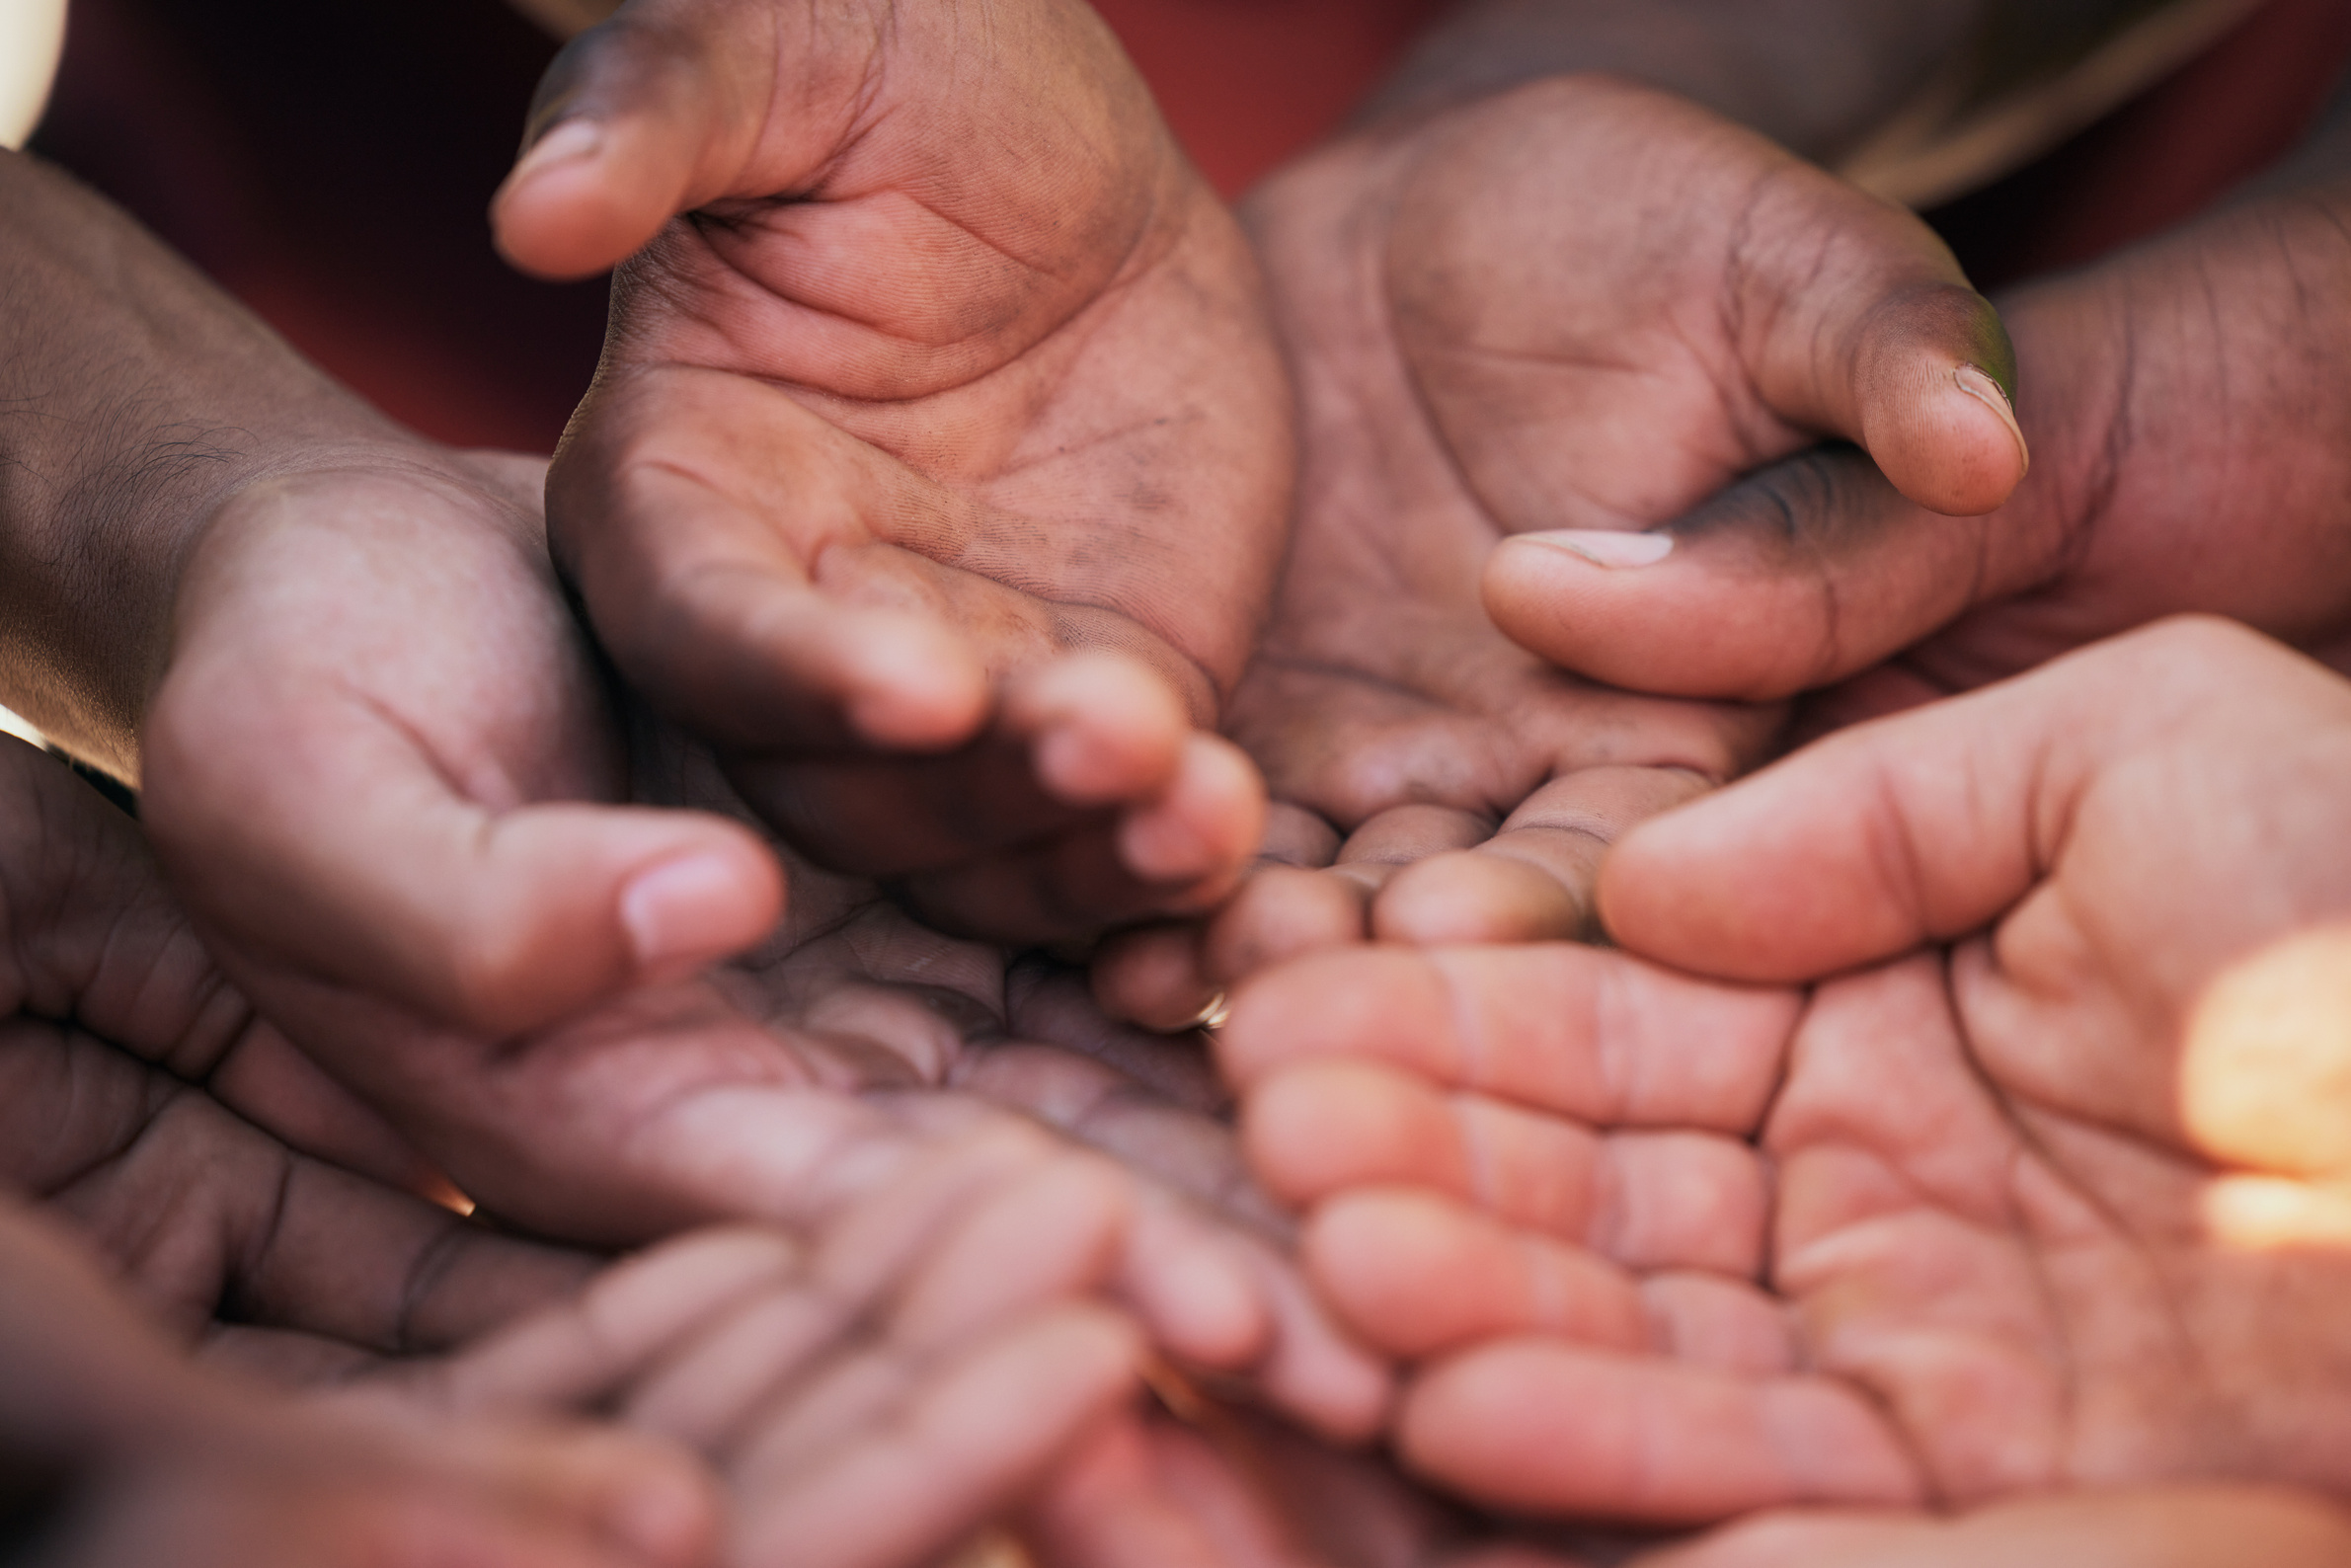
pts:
pixel 570 142
pixel 1607 546
pixel 684 913
pixel 1976 384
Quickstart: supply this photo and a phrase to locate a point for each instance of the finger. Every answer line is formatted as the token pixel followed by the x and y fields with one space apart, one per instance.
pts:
pixel 1594 1035
pixel 581 1352
pixel 2178 1527
pixel 1283 913
pixel 1156 977
pixel 1415 1273
pixel 635 1492
pixel 1531 880
pixel 1072 739
pixel 724 538
pixel 956 1242
pixel 1646 1201
pixel 1928 825
pixel 972 1439
pixel 1542 1427
pixel 635 121
pixel 1802 573
pixel 1177 853
pixel 320 837
pixel 1843 314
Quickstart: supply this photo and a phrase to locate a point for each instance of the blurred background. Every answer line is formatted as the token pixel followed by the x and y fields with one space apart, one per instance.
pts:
pixel 329 163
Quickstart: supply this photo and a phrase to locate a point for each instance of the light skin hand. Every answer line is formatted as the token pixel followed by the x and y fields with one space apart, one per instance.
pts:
pixel 2044 1188
pixel 2187 410
pixel 2186 1527
pixel 937 467
pixel 1559 314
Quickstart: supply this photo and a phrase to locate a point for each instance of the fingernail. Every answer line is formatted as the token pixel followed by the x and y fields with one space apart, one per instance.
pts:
pixel 1607 546
pixel 1976 384
pixel 570 142
pixel 683 914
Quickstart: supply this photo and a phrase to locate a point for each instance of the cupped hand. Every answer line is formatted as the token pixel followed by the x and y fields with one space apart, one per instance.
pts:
pixel 938 464
pixel 2182 1526
pixel 2002 1151
pixel 1558 315
pixel 408 833
pixel 2191 426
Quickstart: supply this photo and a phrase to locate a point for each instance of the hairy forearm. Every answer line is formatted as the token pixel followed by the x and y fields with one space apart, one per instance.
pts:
pixel 134 397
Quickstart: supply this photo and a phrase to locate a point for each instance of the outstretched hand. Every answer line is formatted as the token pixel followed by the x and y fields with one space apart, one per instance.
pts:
pixel 1559 315
pixel 937 468
pixel 2002 1154
pixel 2188 412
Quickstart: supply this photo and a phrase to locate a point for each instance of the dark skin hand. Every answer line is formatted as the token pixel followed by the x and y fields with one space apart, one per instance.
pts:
pixel 2191 424
pixel 868 1386
pixel 1984 1137
pixel 381 767
pixel 937 467
pixel 1579 305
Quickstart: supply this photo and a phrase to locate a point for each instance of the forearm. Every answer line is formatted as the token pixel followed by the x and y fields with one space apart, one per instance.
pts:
pixel 134 397
pixel 1815 75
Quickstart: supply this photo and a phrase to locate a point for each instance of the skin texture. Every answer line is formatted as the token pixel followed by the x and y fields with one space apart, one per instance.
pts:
pixel 119 1451
pixel 847 1381
pixel 937 466
pixel 2185 1527
pixel 383 770
pixel 1818 1214
pixel 1479 359
pixel 2187 410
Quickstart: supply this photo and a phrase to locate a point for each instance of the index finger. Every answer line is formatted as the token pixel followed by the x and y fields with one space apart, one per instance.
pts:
pixel 1599 1036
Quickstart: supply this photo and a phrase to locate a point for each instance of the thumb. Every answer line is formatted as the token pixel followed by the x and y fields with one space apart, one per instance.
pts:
pixel 321 844
pixel 1800 575
pixel 637 119
pixel 1852 317
pixel 1909 829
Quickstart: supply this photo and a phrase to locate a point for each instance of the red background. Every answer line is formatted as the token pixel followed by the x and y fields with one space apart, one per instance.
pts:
pixel 329 162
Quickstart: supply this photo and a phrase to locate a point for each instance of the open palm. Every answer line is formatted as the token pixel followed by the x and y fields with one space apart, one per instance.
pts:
pixel 2058 1203
pixel 939 364
pixel 1580 306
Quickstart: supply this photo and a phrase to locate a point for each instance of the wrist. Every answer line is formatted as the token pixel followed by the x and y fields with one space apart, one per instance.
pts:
pixel 134 399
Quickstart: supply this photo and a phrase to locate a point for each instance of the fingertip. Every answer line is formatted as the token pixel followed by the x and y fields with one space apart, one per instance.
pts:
pixel 1198 1297
pixel 1205 826
pixel 1280 913
pixel 1105 730
pixel 568 209
pixel 704 902
pixel 1948 439
pixel 1153 976
pixel 664 1508
pixel 1466 897
pixel 910 685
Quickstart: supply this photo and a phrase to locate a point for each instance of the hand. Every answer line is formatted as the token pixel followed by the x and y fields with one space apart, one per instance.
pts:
pixel 119 1451
pixel 1563 312
pixel 2184 1526
pixel 735 1095
pixel 2040 1182
pixel 2190 420
pixel 937 467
